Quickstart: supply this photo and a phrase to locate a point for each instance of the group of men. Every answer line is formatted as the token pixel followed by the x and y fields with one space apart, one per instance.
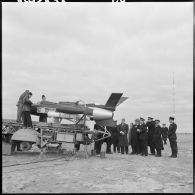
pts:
pixel 24 108
pixel 140 135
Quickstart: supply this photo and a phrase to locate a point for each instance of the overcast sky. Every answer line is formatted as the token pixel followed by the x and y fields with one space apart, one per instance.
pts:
pixel 73 51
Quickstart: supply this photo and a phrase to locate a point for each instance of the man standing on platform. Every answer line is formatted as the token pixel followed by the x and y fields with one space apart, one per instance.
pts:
pixel 20 106
pixel 43 118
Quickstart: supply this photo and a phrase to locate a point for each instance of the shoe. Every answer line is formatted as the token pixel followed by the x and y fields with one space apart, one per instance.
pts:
pixel 157 155
pixel 171 156
pixel 174 156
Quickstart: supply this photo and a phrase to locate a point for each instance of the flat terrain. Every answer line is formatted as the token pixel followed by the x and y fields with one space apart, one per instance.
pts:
pixel 115 173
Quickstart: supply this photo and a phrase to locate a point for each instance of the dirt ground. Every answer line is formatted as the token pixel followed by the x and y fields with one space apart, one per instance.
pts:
pixel 115 173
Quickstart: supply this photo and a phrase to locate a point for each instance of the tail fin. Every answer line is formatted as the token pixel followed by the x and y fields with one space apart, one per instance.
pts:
pixel 113 100
pixel 122 99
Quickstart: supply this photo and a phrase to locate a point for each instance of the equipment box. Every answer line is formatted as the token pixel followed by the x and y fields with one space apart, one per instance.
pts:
pixel 79 137
pixel 65 137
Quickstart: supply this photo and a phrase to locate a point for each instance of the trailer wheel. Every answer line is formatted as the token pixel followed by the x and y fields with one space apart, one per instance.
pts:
pixel 25 146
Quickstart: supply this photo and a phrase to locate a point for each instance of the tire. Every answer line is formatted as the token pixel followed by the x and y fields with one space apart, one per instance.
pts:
pixel 25 146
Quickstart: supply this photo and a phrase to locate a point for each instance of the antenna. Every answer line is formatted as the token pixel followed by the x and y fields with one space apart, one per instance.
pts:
pixel 173 95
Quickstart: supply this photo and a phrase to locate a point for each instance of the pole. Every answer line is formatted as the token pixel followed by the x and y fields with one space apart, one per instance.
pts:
pixel 173 95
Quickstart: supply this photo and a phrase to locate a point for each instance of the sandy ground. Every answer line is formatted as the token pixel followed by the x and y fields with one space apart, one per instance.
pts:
pixel 115 173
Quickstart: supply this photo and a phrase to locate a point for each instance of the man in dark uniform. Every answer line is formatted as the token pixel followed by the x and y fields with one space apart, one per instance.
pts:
pixel 157 138
pixel 98 144
pixel 123 129
pixel 134 138
pixel 143 137
pixel 164 133
pixel 43 118
pixel 20 106
pixel 115 139
pixel 108 140
pixel 173 137
pixel 151 128
pixel 26 110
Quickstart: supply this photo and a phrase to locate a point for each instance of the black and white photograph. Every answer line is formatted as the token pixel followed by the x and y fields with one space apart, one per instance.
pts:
pixel 97 97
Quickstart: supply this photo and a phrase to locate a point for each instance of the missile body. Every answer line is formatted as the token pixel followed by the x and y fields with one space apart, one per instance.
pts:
pixel 62 110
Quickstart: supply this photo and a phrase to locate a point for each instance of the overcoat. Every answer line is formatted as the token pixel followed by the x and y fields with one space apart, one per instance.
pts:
pixel 164 132
pixel 123 141
pixel 143 135
pixel 172 131
pixel 151 129
pixel 157 138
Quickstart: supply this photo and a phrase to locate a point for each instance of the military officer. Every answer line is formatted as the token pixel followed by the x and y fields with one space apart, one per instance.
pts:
pixel 151 128
pixel 164 133
pixel 173 137
pixel 134 138
pixel 123 129
pixel 143 137
pixel 157 138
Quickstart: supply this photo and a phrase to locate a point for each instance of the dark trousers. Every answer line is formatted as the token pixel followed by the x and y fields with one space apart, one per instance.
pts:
pixel 158 151
pixel 144 147
pixel 27 119
pixel 124 148
pixel 139 148
pixel 134 145
pixel 152 149
pixel 115 145
pixel 77 146
pixel 173 144
pixel 97 146
pixel 108 144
